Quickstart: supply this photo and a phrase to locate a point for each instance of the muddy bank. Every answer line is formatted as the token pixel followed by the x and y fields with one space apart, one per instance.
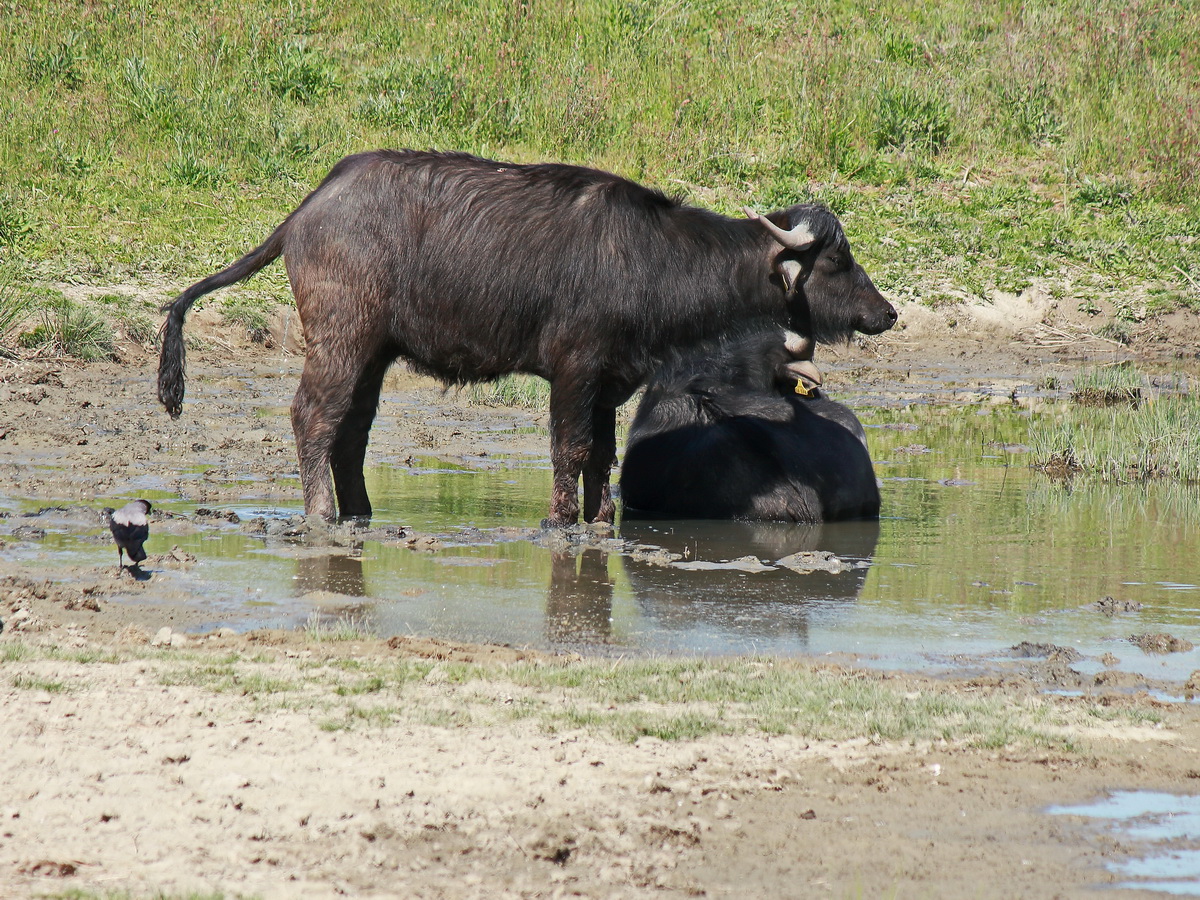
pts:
pixel 272 763
pixel 153 748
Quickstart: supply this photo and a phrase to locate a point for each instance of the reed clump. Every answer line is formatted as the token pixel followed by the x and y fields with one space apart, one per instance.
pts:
pixel 1112 432
pixel 1108 386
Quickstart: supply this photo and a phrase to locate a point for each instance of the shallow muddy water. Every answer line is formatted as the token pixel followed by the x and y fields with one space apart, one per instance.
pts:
pixel 1164 827
pixel 976 554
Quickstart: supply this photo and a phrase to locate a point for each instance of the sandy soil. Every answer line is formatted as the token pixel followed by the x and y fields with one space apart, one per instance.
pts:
pixel 125 771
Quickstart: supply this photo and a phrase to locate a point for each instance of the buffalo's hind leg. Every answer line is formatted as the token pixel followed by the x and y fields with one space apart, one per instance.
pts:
pixel 598 504
pixel 328 388
pixel 350 446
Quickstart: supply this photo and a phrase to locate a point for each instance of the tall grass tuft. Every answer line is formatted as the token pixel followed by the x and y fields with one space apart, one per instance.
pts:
pixel 301 73
pixel 907 118
pixel 69 329
pixel 520 391
pixel 15 309
pixel 15 221
pixel 344 627
pixel 57 64
pixel 1160 438
pixel 1108 386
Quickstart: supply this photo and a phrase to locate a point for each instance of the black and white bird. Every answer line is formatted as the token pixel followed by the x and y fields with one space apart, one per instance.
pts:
pixel 129 529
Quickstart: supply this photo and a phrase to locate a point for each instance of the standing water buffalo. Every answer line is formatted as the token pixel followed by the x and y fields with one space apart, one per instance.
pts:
pixel 471 269
pixel 724 435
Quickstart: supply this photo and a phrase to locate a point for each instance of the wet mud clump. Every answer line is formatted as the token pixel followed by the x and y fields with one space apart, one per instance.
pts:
pixel 1160 642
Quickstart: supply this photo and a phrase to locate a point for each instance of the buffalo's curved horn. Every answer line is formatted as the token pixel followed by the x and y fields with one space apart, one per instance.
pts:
pixel 798 238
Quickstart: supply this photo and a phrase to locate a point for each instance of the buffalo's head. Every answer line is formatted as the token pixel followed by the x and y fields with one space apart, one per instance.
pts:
pixel 830 296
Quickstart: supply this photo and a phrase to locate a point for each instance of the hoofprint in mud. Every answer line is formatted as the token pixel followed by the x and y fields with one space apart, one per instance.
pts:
pixel 144 762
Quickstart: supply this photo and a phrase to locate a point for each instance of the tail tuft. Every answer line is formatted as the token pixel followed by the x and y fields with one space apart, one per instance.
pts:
pixel 171 363
pixel 171 357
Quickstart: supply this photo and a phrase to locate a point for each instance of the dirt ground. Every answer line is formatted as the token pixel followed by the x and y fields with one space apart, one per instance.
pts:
pixel 118 778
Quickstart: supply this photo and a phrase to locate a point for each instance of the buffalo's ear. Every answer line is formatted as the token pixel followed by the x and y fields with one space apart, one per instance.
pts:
pixel 790 269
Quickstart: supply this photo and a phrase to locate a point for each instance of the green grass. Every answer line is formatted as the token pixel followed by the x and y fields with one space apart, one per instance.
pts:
pixel 14 651
pixel 685 699
pixel 967 148
pixel 37 683
pixel 1107 386
pixel 1118 429
pixel 67 328
pixel 15 309
pixel 623 700
pixel 521 391
pixel 228 676
pixel 320 627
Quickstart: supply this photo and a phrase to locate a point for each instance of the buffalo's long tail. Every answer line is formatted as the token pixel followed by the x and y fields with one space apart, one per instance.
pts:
pixel 171 359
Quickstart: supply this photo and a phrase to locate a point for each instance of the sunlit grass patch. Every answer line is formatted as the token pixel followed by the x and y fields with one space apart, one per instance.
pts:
pixel 378 716
pixel 26 682
pixel 629 725
pixel 443 716
pixel 255 683
pixel 251 313
pixel 225 676
pixel 67 328
pixel 88 655
pixel 1160 438
pixel 197 674
pixel 685 699
pixel 520 391
pixel 1107 386
pixel 15 309
pixel 369 685
pixel 344 627
pixel 14 651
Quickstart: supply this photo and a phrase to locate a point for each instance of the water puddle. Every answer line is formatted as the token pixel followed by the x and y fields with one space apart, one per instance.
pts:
pixel 1166 830
pixel 978 562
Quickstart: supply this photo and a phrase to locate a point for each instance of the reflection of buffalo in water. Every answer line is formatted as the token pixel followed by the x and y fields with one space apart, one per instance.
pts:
pixel 723 435
pixel 337 573
pixel 579 602
pixel 737 604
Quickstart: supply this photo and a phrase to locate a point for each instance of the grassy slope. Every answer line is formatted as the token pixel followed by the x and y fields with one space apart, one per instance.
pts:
pixel 968 147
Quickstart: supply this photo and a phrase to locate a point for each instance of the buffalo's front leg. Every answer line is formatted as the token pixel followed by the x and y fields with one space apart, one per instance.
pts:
pixel 570 446
pixel 598 504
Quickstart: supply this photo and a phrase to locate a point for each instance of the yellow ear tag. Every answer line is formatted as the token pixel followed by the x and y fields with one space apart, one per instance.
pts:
pixel 802 390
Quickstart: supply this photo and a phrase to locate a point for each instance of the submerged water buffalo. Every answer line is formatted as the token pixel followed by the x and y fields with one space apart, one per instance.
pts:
pixel 724 435
pixel 471 269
